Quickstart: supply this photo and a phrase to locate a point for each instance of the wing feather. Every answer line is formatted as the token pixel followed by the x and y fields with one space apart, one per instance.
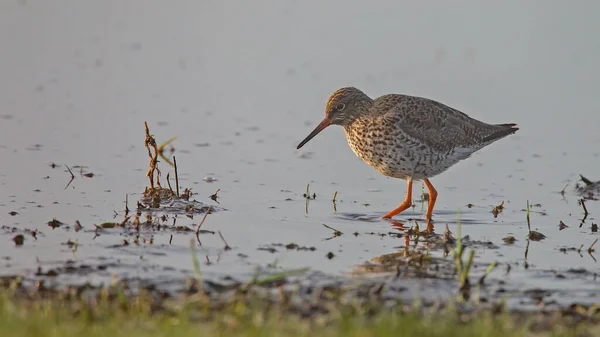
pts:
pixel 439 126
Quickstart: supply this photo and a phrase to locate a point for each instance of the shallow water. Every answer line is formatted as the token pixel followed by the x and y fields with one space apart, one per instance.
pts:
pixel 241 84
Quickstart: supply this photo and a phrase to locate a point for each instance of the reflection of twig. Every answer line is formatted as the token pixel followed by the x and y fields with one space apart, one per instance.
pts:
pixel 532 235
pixel 307 196
pixel 161 149
pixel 562 192
pixel 591 249
pixel 528 222
pixel 225 242
pixel 526 253
pixel 585 214
pixel 579 250
pixel 169 183
pixel 72 177
pixel 126 204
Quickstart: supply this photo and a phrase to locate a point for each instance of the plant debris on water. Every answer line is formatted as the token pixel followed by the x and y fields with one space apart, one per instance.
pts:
pixel 498 209
pixel 533 235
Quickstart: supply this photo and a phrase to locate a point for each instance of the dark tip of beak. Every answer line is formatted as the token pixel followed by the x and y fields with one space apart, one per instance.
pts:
pixel 324 123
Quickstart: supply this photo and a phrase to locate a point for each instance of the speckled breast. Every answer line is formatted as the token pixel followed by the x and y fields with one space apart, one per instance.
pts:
pixel 392 153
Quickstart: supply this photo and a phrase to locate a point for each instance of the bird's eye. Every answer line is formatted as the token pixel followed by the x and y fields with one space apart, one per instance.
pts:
pixel 340 106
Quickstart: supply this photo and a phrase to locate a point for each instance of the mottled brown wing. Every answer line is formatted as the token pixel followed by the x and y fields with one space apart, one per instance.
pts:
pixel 441 127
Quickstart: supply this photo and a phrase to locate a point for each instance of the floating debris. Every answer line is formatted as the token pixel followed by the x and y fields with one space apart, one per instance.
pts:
pixel 533 235
pixel 509 240
pixel 109 225
pixel 562 226
pixel 69 243
pixel 536 236
pixel 268 249
pixel 589 189
pixel 55 223
pixel 336 232
pixel 214 196
pixel 448 239
pixel 18 239
pixel 498 209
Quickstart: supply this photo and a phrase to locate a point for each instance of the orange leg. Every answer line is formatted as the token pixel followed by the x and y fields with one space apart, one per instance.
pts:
pixel 407 203
pixel 432 198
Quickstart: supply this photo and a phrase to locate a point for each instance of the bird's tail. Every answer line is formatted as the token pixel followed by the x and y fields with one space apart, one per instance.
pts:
pixel 509 125
pixel 505 130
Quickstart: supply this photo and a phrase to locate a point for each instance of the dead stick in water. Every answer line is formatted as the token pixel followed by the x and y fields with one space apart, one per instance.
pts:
pixel 204 218
pixel 201 222
pixel 176 176
pixel 582 201
pixel 335 231
pixel 169 183
pixel 148 143
pixel 334 201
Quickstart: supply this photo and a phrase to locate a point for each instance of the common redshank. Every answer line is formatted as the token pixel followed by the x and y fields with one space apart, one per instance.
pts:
pixel 407 137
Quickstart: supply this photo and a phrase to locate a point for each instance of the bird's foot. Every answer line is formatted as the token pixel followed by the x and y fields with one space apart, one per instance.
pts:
pixel 403 207
pixel 430 227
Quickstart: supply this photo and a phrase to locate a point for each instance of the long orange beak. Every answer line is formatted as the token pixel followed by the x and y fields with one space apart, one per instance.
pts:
pixel 324 123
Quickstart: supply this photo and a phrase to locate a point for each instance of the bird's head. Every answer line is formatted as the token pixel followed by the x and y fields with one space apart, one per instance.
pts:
pixel 344 106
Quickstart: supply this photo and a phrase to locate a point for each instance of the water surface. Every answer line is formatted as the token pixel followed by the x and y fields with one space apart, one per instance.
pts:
pixel 240 84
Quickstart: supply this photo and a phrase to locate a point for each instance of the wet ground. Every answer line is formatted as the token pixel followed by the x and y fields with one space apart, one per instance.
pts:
pixel 239 90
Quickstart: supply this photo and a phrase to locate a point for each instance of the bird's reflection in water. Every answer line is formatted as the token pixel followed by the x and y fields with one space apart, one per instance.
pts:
pixel 402 227
pixel 398 225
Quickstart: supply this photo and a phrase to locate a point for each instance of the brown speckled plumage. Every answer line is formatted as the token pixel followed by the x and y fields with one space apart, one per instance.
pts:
pixel 407 137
